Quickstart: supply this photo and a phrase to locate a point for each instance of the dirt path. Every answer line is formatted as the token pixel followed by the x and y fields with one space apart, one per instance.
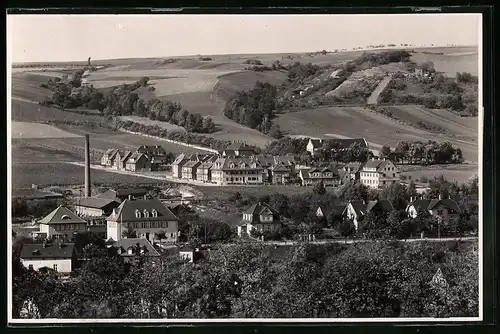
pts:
pixel 373 99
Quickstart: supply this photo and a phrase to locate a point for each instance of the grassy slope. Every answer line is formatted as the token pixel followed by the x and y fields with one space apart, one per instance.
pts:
pixel 358 122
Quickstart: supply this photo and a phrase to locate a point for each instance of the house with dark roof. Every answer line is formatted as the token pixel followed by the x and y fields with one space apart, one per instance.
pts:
pixel 443 209
pixel 204 170
pixel 261 217
pixel 182 159
pixel 121 158
pixel 138 162
pixel 312 176
pixel 189 170
pixel 119 195
pixel 131 249
pixel 108 157
pixel 353 171
pixel 331 209
pixel 356 210
pixel 57 256
pixel 95 206
pixel 237 149
pixel 315 144
pixel 280 173
pixel 34 194
pixel 156 155
pixel 61 223
pixel 147 217
pixel 377 173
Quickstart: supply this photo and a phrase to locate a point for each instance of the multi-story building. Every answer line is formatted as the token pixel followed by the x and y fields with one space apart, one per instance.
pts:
pixel 182 159
pixel 379 173
pixel 120 159
pixel 261 217
pixel 237 171
pixel 353 171
pixel 138 162
pixel 280 173
pixel 108 157
pixel 189 170
pixel 443 209
pixel 61 223
pixel 119 195
pixel 156 154
pixel 204 170
pixel 314 175
pixel 149 218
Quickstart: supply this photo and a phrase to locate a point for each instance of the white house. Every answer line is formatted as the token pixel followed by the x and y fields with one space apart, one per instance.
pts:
pixel 443 209
pixel 58 256
pixel 61 223
pixel 261 217
pixel 379 173
pixel 356 210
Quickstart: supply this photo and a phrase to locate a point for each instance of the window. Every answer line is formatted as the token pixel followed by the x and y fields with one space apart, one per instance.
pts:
pixel 146 213
pixel 394 175
pixel 55 267
pixel 30 267
pixel 137 213
pixel 171 235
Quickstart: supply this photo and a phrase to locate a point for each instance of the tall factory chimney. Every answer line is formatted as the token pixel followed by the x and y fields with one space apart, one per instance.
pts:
pixel 87 166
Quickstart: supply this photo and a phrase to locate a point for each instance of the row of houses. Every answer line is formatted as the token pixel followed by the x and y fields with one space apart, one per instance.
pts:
pixel 145 158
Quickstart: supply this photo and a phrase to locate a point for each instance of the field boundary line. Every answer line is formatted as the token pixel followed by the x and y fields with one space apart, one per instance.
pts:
pixel 171 141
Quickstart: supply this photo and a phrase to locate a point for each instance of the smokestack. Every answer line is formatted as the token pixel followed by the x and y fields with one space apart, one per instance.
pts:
pixel 87 166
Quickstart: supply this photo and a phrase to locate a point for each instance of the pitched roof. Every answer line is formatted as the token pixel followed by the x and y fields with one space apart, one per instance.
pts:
pixel 127 210
pixel 125 156
pixel 136 156
pixel 30 193
pixel 430 204
pixel 152 150
pixel 114 193
pixel 383 205
pixel 359 207
pixel 347 142
pixel 354 166
pixel 96 202
pixel 191 164
pixel 315 142
pixel 280 167
pixel 260 208
pixel 62 215
pixel 51 251
pixel 238 162
pixel 181 157
pixel 126 243
pixel 331 207
pixel 377 164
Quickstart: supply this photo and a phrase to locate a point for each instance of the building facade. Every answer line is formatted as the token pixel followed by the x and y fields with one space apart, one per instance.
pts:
pixel 138 162
pixel 379 174
pixel 61 223
pixel 148 218
pixel 237 171
pixel 260 217
pixel 315 175
pixel 60 257
pixel 442 209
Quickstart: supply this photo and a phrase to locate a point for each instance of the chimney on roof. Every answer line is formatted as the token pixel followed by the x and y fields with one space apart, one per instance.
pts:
pixel 146 196
pixel 440 196
pixel 411 199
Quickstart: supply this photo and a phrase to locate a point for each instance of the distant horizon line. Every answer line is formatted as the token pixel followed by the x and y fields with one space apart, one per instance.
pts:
pixel 249 54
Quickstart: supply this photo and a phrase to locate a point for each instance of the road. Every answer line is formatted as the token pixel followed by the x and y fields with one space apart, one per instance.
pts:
pixel 373 99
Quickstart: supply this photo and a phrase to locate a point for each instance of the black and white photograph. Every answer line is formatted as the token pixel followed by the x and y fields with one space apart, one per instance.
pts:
pixel 184 168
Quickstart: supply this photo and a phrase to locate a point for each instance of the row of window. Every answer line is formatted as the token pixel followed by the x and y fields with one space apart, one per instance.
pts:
pixel 69 227
pixel 142 225
pixel 154 213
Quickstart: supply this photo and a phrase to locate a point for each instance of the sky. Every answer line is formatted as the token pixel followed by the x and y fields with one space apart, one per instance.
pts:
pixel 42 37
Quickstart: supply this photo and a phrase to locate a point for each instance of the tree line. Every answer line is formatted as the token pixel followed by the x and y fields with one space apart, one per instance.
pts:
pixel 420 152
pixel 123 101
pixel 252 280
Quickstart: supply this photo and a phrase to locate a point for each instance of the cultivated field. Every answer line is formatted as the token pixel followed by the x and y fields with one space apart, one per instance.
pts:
pixel 24 130
pixel 458 173
pixel 358 122
pixel 454 59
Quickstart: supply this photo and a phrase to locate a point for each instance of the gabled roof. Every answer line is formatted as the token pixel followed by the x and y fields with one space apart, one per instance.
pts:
pixel 126 212
pixel 113 154
pixel 62 215
pixel 51 251
pixel 331 207
pixel 126 155
pixel 96 202
pixel 152 150
pixel 354 166
pixel 306 174
pixel 358 207
pixel 430 204
pixel 136 156
pixel 125 244
pixel 260 208
pixel 377 164
pixel 191 164
pixel 117 193
pixel 383 205
pixel 237 162
pixel 280 167
pixel 181 157
pixel 316 142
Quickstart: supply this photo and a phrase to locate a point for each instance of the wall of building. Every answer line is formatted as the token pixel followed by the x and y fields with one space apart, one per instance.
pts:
pixel 63 265
pixel 114 230
pixel 94 212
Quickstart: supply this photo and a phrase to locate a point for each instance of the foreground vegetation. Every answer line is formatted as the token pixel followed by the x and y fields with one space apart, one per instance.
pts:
pixel 251 280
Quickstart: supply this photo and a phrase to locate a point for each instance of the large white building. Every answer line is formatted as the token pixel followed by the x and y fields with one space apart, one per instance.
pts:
pixel 61 223
pixel 379 174
pixel 147 217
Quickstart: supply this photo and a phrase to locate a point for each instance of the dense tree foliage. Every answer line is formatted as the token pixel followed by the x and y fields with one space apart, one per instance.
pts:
pixel 427 153
pixel 251 280
pixel 254 108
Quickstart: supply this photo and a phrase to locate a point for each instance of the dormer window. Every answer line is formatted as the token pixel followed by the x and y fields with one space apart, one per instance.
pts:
pixel 137 213
pixel 155 213
pixel 130 251
pixel 146 213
